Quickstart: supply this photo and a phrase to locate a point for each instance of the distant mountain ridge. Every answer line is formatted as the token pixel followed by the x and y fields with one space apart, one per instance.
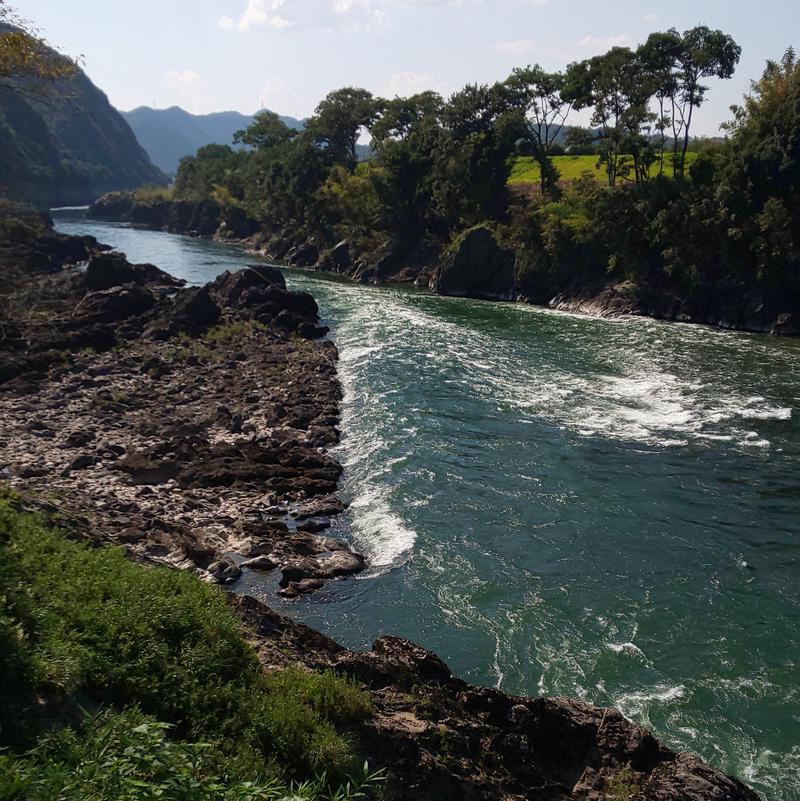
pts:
pixel 170 134
pixel 68 147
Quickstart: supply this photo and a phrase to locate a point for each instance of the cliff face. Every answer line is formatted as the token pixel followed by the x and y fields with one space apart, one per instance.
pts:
pixel 69 146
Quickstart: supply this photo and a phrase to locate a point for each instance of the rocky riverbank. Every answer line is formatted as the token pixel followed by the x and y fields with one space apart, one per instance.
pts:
pixel 477 265
pixel 191 426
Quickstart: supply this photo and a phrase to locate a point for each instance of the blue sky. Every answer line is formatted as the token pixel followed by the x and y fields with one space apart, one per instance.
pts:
pixel 209 55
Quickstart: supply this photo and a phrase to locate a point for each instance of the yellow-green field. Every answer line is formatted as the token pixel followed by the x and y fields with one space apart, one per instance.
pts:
pixel 570 168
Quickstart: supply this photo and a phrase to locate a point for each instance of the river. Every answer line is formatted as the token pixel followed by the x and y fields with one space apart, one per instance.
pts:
pixel 556 504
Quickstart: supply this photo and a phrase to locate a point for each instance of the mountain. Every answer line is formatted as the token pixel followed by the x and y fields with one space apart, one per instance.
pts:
pixel 68 146
pixel 170 134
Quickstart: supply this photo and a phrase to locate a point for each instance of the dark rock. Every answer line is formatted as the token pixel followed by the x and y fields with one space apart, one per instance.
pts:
pixel 116 304
pixel 225 570
pixel 477 268
pixel 340 257
pixel 193 312
pixel 83 461
pixel 79 438
pixel 260 563
pixel 108 270
pixel 342 563
pixel 302 569
pixel 113 206
pixel 305 255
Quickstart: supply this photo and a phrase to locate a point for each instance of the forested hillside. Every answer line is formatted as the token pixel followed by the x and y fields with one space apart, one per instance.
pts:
pixel 64 143
pixel 170 134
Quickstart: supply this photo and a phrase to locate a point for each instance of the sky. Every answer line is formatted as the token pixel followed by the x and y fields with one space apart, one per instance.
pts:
pixel 286 55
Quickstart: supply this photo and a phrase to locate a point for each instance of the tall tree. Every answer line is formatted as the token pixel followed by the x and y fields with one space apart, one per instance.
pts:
pixel 266 131
pixel 612 86
pixel 658 57
pixel 703 53
pixel 545 109
pixel 405 140
pixel 480 129
pixel 339 120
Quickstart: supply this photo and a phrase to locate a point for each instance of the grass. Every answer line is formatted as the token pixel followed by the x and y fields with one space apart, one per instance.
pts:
pixel 525 170
pixel 84 627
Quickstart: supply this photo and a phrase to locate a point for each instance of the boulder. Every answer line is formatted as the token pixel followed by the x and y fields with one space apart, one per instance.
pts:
pixel 305 255
pixel 342 563
pixel 299 570
pixel 476 267
pixel 116 304
pixel 194 311
pixel 234 289
pixel 113 206
pixel 107 270
pixel 260 563
pixel 340 258
pixel 225 570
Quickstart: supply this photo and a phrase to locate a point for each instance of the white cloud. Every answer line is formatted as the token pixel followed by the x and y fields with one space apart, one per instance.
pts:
pixel 516 47
pixel 191 89
pixel 405 84
pixel 598 42
pixel 257 14
pixel 651 18
pixel 334 14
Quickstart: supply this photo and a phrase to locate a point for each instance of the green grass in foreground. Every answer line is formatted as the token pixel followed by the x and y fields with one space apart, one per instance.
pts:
pixel 181 709
pixel 570 168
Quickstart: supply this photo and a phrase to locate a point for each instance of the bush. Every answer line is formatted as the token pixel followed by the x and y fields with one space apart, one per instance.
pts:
pixel 129 757
pixel 85 623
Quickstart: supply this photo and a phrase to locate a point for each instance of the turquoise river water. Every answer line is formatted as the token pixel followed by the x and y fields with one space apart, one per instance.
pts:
pixel 564 505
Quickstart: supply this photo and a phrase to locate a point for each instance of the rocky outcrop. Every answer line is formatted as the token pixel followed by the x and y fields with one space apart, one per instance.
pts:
pixel 189 425
pixel 203 218
pixel 476 267
pixel 441 738
pixel 758 309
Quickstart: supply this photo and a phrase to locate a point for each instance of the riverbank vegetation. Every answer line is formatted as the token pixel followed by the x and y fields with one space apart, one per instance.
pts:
pixel 721 222
pixel 124 681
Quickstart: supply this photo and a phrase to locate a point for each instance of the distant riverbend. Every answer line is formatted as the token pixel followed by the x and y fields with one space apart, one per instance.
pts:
pixel 608 510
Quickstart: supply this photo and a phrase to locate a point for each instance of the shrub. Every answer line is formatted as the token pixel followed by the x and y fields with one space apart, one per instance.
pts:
pixel 86 623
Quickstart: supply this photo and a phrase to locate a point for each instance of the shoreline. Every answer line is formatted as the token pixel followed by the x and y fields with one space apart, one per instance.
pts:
pixel 453 276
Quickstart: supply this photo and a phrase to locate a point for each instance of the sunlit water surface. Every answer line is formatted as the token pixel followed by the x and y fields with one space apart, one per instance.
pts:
pixel 564 505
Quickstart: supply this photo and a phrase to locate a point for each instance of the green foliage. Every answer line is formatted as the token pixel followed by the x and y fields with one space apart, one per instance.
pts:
pixel 129 757
pixel 86 623
pixel 26 60
pixel 339 120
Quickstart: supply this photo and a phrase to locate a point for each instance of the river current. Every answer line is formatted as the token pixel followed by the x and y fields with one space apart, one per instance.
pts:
pixel 556 504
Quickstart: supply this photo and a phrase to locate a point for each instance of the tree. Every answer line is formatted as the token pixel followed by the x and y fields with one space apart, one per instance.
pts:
pixel 405 139
pixel 26 59
pixel 702 54
pixel 266 131
pixel 658 57
pixel 612 86
pixel 480 128
pixel 339 120
pixel 759 176
pixel 539 95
